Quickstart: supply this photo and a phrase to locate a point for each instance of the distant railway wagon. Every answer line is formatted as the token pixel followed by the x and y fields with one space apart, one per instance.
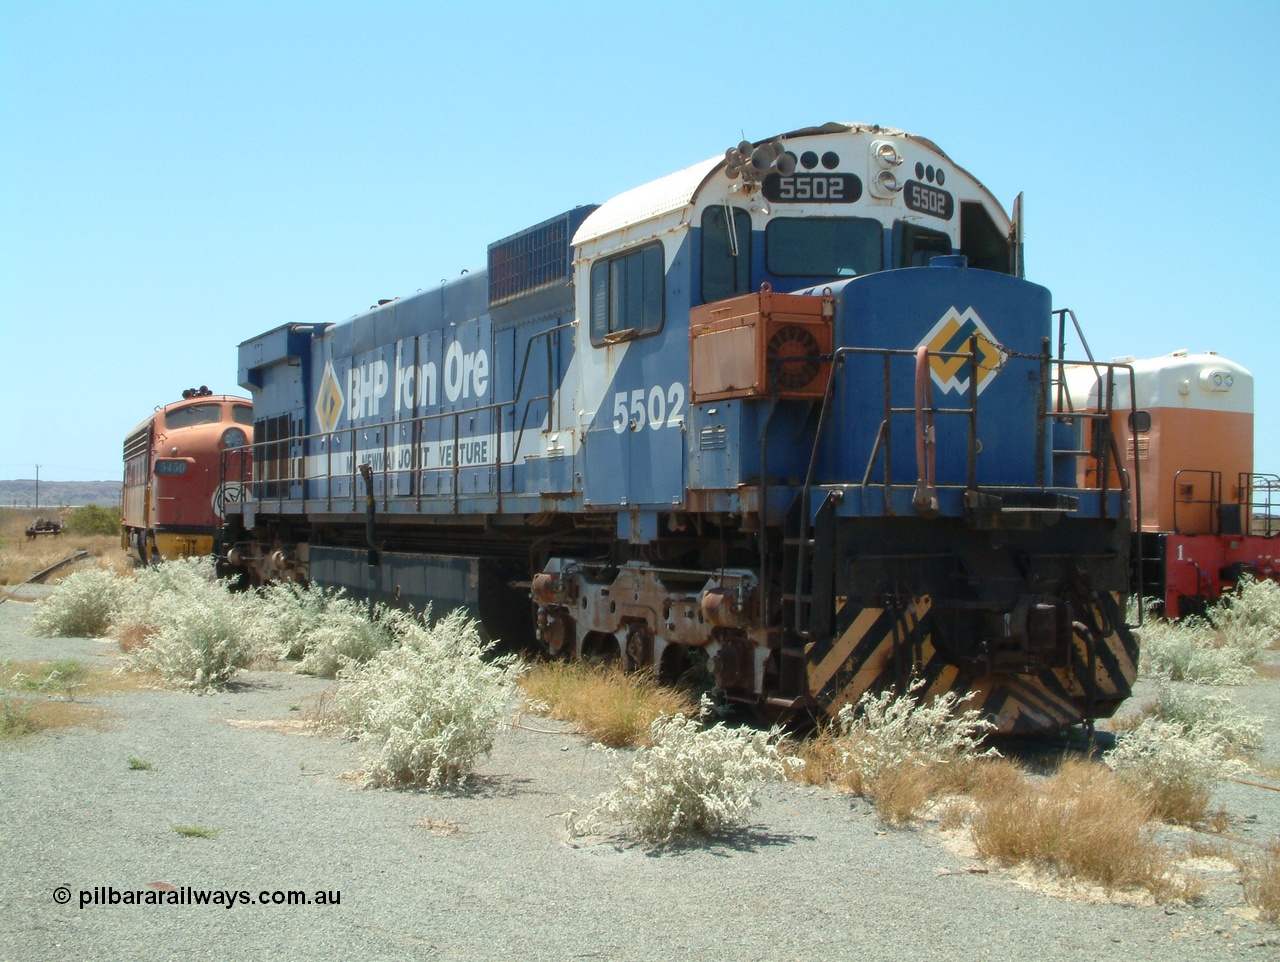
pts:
pixel 790 407
pixel 1205 516
pixel 176 481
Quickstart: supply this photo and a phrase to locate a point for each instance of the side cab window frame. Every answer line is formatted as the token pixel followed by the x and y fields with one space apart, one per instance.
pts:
pixel 628 294
pixel 726 252
pixel 914 245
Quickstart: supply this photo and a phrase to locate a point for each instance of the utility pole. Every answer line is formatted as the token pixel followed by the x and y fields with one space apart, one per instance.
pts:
pixel 37 487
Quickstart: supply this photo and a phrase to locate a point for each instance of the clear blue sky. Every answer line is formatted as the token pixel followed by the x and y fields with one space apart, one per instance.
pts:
pixel 177 177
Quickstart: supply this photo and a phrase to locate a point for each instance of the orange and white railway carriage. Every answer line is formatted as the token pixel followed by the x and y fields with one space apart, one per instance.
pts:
pixel 1201 524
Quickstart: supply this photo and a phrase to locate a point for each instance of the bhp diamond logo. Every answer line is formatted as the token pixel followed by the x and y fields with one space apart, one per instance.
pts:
pixel 329 400
pixel 951 336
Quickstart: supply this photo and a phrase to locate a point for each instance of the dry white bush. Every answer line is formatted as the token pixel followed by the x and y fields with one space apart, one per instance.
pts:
pixel 427 710
pixel 1193 650
pixel 1249 617
pixel 1215 649
pixel 83 605
pixel 287 615
pixel 1214 713
pixel 347 632
pixel 186 624
pixel 1173 767
pixel 689 780
pixel 886 730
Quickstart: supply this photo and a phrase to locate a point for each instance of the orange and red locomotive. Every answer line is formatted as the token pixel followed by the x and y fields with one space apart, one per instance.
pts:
pixel 1205 518
pixel 174 484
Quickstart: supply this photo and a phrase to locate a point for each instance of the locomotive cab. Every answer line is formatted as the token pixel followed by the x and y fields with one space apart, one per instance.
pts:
pixel 175 481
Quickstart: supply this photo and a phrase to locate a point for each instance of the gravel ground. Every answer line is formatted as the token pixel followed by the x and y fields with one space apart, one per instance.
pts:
pixel 490 872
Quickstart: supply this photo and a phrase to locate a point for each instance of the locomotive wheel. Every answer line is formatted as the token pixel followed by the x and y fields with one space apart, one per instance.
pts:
pixel 638 651
pixel 558 637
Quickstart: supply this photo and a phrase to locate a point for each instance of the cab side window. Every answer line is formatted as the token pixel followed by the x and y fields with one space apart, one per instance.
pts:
pixel 726 253
pixel 981 241
pixel 627 295
pixel 915 246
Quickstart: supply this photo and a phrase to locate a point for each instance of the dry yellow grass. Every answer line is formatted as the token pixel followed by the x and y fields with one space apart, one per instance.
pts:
pixel 1262 881
pixel 133 635
pixel 21 715
pixel 36 696
pixel 605 702
pixel 1200 847
pixel 63 714
pixel 900 793
pixel 1081 822
pixel 823 758
pixel 21 557
pixel 89 680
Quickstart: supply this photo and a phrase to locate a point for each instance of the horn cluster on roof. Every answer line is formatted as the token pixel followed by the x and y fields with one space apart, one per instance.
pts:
pixel 752 163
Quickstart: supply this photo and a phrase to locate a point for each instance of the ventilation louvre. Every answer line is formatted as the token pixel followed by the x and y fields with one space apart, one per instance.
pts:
pixel 535 258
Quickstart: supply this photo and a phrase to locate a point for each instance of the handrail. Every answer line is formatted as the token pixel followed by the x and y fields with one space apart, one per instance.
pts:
pixel 801 624
pixel 417 424
pixel 1213 501
pixel 1104 448
pixel 882 447
pixel 926 496
pixel 295 469
pixel 923 412
pixel 1260 498
pixel 1064 396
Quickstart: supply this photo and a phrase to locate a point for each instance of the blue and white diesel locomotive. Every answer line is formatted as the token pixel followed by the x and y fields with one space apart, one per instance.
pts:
pixel 791 406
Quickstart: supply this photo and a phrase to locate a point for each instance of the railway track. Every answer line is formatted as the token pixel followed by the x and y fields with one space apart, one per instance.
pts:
pixel 39 576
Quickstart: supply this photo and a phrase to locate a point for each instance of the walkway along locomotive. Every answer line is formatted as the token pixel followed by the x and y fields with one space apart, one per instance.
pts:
pixel 176 478
pixel 789 406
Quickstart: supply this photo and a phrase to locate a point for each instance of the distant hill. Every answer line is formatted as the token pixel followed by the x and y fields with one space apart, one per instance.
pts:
pixel 22 493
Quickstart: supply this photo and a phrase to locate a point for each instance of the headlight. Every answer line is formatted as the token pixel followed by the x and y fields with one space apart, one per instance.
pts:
pixel 234 438
pixel 887 181
pixel 887 155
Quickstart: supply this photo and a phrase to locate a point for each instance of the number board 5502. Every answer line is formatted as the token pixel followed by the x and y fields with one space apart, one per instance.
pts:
pixel 928 200
pixel 812 188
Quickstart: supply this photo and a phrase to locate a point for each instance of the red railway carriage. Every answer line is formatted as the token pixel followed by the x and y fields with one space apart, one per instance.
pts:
pixel 1206 516
pixel 174 485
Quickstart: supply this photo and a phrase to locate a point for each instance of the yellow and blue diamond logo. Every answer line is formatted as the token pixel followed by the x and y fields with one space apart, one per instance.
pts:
pixel 951 336
pixel 329 400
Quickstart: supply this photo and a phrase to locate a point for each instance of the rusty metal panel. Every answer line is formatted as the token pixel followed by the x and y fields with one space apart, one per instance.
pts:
pixel 723 363
pixel 734 345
